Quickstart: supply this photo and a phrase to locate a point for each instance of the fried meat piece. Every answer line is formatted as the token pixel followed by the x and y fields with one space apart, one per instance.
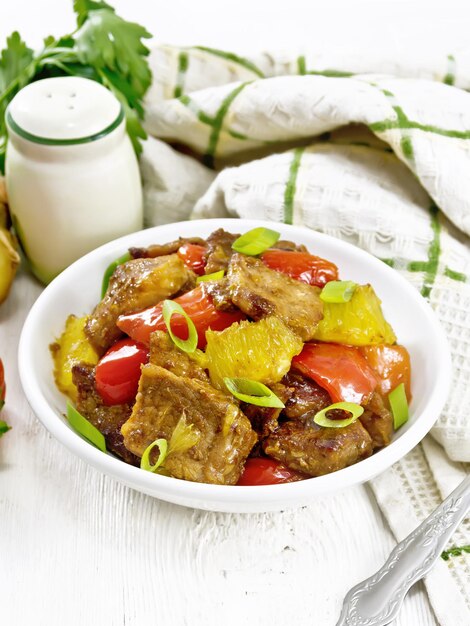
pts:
pixel 164 353
pixel 259 291
pixel 378 421
pixel 265 420
pixel 290 246
pixel 306 397
pixel 224 436
pixel 314 450
pixel 219 291
pixel 163 249
pixel 107 419
pixel 135 285
pixel 219 250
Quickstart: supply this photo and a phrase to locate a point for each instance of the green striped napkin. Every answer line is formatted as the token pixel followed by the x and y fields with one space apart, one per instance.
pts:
pixel 331 142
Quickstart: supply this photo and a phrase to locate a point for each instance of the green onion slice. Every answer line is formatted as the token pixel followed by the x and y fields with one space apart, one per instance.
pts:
pixel 252 392
pixel 255 241
pixel 213 276
pixel 170 307
pixel 183 436
pixel 399 406
pixel 83 427
pixel 109 271
pixel 162 446
pixel 322 420
pixel 4 428
pixel 337 291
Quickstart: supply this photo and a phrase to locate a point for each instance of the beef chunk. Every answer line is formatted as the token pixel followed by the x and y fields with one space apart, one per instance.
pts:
pixel 265 420
pixel 259 291
pixel 225 436
pixel 306 398
pixel 378 421
pixel 134 286
pixel 219 292
pixel 164 248
pixel 219 250
pixel 107 419
pixel 164 353
pixel 315 450
pixel 290 246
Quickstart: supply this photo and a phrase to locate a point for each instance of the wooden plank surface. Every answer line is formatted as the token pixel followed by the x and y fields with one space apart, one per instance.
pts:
pixel 77 548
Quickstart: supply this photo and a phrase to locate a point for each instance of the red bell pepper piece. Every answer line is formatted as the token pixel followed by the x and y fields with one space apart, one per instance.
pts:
pixel 341 370
pixel 198 306
pixel 194 257
pixel 262 471
pixel 392 366
pixel 118 372
pixel 302 266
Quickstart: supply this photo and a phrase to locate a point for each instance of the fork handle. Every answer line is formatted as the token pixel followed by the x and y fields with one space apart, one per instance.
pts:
pixel 377 600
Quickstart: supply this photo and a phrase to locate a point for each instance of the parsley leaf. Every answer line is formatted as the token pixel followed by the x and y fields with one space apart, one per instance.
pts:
pixel 106 41
pixel 14 62
pixel 4 428
pixel 133 109
pixel 83 7
pixel 105 48
pixel 16 70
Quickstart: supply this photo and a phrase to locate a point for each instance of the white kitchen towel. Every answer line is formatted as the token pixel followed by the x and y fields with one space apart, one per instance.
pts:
pixel 407 494
pixel 373 151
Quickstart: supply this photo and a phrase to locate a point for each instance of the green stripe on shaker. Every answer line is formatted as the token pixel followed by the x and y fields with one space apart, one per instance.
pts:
pixel 47 141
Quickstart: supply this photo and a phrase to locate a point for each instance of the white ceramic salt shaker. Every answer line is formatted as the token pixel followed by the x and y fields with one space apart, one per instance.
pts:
pixel 72 176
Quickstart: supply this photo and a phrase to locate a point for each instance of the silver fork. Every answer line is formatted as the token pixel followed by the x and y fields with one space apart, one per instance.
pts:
pixel 377 600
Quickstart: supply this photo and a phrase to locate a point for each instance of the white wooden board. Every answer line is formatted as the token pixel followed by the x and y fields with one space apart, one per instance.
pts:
pixel 76 548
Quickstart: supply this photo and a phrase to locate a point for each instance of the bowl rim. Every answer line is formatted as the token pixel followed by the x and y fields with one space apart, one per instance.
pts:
pixel 175 490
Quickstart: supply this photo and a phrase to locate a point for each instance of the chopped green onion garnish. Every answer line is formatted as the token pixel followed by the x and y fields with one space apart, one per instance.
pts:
pixel 255 241
pixel 337 291
pixel 399 406
pixel 213 276
pixel 252 392
pixel 170 307
pixel 322 420
pixel 110 271
pixel 162 446
pixel 83 427
pixel 183 437
pixel 4 428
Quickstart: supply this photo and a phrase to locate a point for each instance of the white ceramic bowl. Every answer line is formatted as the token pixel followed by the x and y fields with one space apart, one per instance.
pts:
pixel 77 290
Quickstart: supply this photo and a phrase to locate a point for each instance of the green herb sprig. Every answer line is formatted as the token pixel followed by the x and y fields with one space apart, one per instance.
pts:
pixel 104 47
pixel 4 428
